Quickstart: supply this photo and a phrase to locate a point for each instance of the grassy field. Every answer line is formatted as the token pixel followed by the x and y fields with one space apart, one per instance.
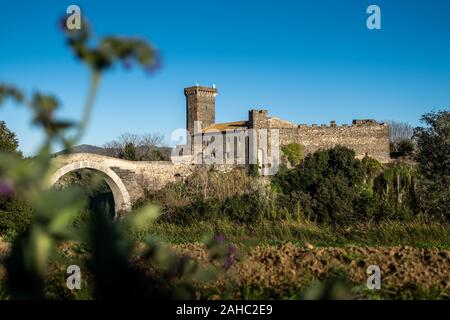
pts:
pixel 289 259
pixel 416 233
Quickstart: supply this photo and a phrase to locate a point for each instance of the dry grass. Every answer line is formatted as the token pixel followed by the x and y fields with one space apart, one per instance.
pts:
pixel 415 233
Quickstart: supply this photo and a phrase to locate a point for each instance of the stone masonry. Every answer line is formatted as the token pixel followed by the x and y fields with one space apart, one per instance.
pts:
pixel 126 179
pixel 365 137
pixel 129 179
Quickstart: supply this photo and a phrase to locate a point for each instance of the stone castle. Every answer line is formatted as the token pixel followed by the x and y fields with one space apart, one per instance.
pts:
pixel 129 179
pixel 365 137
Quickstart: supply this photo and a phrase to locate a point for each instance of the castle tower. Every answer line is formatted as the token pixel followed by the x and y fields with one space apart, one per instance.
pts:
pixel 200 106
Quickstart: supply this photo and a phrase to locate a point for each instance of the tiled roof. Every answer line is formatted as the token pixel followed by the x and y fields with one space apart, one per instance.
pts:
pixel 235 125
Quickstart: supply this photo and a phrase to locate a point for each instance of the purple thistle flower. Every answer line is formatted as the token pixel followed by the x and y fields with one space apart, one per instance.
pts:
pixel 220 238
pixel 232 249
pixel 6 188
pixel 229 260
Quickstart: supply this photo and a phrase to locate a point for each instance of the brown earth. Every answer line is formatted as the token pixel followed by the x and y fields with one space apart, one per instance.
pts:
pixel 278 267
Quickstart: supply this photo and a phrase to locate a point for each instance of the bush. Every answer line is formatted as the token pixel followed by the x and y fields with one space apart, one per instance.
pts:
pixel 130 152
pixel 326 184
pixel 333 187
pixel 15 215
pixel 406 145
pixel 209 195
pixel 401 148
pixel 433 157
pixel 293 153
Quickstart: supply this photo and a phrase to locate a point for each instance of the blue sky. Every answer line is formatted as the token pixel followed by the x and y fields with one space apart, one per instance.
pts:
pixel 305 61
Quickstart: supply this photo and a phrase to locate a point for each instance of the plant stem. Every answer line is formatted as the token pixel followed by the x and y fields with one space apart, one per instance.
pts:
pixel 89 106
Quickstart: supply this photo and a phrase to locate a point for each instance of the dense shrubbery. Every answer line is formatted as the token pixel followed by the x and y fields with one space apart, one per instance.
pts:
pixel 208 195
pixel 326 185
pixel 15 215
pixel 433 159
pixel 329 187
pixel 292 154
pixel 333 187
pixel 405 146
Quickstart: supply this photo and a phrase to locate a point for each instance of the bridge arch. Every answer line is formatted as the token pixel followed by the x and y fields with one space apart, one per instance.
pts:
pixel 122 199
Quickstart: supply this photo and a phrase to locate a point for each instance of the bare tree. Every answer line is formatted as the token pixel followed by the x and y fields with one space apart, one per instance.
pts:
pixel 113 149
pixel 129 138
pixel 146 145
pixel 400 131
pixel 152 139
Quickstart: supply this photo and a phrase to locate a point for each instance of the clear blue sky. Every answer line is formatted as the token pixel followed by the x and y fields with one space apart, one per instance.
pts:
pixel 305 61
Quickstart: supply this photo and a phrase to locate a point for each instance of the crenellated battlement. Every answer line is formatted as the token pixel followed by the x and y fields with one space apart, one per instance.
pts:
pixel 365 136
pixel 200 91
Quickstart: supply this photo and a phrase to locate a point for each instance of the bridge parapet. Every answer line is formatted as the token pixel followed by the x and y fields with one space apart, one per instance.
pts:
pixel 127 179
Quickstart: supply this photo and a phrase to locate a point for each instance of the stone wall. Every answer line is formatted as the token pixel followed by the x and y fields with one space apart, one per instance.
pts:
pixel 365 137
pixel 127 179
pixel 371 140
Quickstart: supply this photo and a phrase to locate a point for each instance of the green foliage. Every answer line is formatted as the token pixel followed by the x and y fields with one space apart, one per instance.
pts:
pixel 254 170
pixel 110 50
pixel 293 152
pixel 94 189
pixel 326 184
pixel 209 195
pixel 15 215
pixel 130 152
pixel 8 140
pixel 372 168
pixel 415 233
pixel 333 187
pixel 396 190
pixel 330 186
pixel 406 145
pixel 317 167
pixel 54 211
pixel 433 157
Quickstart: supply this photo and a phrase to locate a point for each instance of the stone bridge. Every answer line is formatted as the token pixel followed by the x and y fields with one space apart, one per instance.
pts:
pixel 126 179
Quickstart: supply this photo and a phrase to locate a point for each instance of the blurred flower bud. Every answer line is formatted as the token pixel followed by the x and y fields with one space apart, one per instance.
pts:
pixel 6 188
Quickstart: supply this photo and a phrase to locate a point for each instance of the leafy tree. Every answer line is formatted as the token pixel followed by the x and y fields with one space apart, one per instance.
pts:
pixel 130 152
pixel 395 188
pixel 433 157
pixel 14 213
pixel 406 145
pixel 326 184
pixel 372 167
pixel 293 152
pixel 8 140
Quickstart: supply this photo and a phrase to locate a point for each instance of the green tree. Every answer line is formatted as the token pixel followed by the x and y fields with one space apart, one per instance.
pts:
pixel 14 213
pixel 130 152
pixel 326 184
pixel 293 153
pixel 395 189
pixel 433 157
pixel 8 140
